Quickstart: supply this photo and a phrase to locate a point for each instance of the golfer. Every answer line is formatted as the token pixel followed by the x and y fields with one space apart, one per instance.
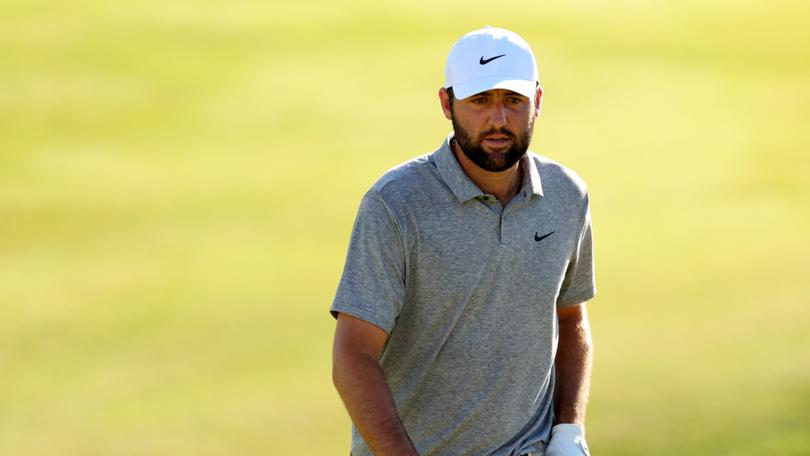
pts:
pixel 461 321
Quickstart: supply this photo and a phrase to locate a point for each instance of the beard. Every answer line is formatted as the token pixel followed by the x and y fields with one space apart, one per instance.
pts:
pixel 492 161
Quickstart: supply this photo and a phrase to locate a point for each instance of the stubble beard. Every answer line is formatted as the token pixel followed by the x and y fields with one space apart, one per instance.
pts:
pixel 492 161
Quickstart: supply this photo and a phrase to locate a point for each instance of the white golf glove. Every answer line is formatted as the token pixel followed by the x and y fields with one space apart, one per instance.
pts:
pixel 567 440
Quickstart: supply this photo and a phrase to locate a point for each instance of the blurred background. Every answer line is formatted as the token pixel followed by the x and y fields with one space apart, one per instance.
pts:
pixel 178 182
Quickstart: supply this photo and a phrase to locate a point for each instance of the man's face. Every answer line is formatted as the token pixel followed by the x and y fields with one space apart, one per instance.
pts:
pixel 494 128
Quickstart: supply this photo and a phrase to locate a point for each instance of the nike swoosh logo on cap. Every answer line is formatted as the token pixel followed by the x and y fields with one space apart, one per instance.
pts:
pixel 483 61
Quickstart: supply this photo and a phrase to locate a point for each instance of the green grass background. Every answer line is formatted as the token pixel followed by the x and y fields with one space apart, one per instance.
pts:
pixel 178 182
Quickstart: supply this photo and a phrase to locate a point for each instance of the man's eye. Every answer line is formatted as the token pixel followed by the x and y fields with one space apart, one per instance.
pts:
pixel 515 100
pixel 479 100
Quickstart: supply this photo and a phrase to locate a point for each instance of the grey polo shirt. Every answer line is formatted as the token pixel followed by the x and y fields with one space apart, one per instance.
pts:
pixel 467 292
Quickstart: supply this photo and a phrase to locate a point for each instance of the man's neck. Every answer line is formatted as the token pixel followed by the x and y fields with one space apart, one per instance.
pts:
pixel 502 184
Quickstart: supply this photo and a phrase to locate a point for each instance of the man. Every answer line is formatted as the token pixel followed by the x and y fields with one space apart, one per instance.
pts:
pixel 461 323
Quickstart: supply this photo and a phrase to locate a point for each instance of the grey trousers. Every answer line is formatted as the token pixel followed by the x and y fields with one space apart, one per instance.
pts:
pixel 534 453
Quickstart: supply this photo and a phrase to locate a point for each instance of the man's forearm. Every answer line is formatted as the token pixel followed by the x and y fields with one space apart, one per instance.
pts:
pixel 573 370
pixel 364 389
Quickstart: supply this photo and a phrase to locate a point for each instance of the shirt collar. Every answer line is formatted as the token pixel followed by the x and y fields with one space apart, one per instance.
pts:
pixel 453 175
pixel 464 189
pixel 531 176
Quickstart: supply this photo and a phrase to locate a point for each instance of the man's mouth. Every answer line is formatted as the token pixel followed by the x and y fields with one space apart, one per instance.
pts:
pixel 496 140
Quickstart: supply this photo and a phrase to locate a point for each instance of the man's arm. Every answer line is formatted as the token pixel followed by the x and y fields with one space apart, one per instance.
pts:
pixel 573 365
pixel 362 385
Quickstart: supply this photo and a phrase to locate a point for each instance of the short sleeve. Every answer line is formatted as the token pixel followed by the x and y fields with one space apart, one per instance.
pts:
pixel 579 284
pixel 372 286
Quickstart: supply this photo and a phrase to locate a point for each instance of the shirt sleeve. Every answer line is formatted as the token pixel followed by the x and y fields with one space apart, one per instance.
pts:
pixel 579 284
pixel 372 286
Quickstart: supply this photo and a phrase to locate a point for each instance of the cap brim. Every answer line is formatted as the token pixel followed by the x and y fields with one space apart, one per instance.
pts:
pixel 469 88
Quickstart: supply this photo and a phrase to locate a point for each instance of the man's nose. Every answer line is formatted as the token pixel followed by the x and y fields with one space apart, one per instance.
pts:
pixel 497 115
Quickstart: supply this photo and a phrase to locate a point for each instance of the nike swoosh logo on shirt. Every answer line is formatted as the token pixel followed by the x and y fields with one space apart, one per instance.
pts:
pixel 539 238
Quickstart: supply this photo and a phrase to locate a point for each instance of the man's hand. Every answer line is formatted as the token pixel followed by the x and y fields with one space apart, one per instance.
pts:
pixel 567 440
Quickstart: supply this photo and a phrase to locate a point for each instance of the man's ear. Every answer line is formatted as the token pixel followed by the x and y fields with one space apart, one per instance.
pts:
pixel 538 100
pixel 444 99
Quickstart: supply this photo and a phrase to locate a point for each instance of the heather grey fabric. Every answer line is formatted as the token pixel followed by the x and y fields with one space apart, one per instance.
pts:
pixel 467 292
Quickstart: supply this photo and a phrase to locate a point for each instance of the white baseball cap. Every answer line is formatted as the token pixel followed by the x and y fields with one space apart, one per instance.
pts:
pixel 491 58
